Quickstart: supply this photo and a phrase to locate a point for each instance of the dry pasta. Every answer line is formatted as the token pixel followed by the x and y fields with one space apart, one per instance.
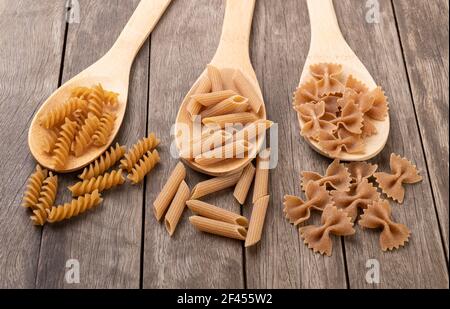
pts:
pixel 206 143
pixel 144 166
pixel 32 193
pixel 214 184
pixel 257 218
pixel 230 119
pixel 247 90
pixel 204 86
pixel 57 115
pixel 227 81
pixel 208 99
pixel 49 141
pixel 104 130
pixel 100 183
pixel 237 149
pixel 167 193
pixel 63 144
pixel 84 137
pixel 96 100
pixel 244 183
pixel 254 130
pixel 214 77
pixel 80 92
pixel 46 200
pixel 74 208
pixel 234 104
pixel 262 175
pixel 176 208
pixel 107 160
pixel 218 227
pixel 216 213
pixel 138 150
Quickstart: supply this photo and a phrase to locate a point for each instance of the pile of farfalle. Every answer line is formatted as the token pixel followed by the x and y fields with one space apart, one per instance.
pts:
pixel 338 111
pixel 344 192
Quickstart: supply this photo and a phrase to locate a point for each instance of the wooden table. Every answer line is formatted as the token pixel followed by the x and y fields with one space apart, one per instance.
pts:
pixel 121 245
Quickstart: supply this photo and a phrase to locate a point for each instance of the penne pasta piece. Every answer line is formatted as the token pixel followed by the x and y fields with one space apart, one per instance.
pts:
pixel 194 107
pixel 214 184
pixel 227 80
pixel 218 227
pixel 237 149
pixel 214 77
pixel 252 131
pixel 208 99
pixel 247 90
pixel 230 119
pixel 208 142
pixel 176 208
pixel 169 190
pixel 257 218
pixel 216 213
pixel 234 104
pixel 260 188
pixel 244 183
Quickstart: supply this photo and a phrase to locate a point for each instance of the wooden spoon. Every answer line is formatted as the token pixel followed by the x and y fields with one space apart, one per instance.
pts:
pixel 328 45
pixel 232 53
pixel 112 71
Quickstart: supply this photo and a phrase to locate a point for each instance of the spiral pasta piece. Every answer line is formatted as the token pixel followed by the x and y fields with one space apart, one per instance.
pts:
pixel 80 92
pixel 100 183
pixel 31 195
pixel 49 141
pixel 64 142
pixel 145 165
pixel 111 98
pixel 104 130
pixel 57 115
pixel 96 100
pixel 74 208
pixel 107 160
pixel 138 150
pixel 84 136
pixel 46 200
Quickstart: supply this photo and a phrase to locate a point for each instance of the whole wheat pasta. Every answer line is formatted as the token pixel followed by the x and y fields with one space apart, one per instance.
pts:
pixel 96 100
pixel 84 137
pixel 237 149
pixel 216 213
pixel 230 119
pixel 111 98
pixel 176 208
pixel 244 183
pixel 227 81
pixel 247 90
pixel 205 143
pixel 218 227
pixel 254 130
pixel 214 77
pixel 63 144
pixel 46 200
pixel 49 141
pixel 57 115
pixel 104 130
pixel 167 193
pixel 214 184
pixel 234 104
pixel 107 160
pixel 208 99
pixel 257 218
pixel 204 86
pixel 100 183
pixel 80 92
pixel 138 150
pixel 144 166
pixel 260 188
pixel 31 195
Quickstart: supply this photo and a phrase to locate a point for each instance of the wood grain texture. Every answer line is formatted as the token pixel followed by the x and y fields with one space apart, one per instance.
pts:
pixel 182 46
pixel 281 260
pixel 32 37
pixel 424 38
pixel 421 264
pixel 106 241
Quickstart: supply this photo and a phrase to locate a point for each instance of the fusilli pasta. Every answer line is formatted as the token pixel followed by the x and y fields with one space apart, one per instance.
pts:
pixel 138 150
pixel 104 130
pixel 64 142
pixel 145 165
pixel 100 183
pixel 57 115
pixel 107 160
pixel 31 196
pixel 84 136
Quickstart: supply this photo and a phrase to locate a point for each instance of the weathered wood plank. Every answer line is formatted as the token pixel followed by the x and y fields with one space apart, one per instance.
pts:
pixel 421 264
pixel 279 48
pixel 31 41
pixel 106 241
pixel 181 46
pixel 424 38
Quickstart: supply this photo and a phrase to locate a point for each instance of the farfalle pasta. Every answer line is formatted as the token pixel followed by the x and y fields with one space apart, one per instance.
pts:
pixel 315 119
pixel 351 118
pixel 361 170
pixel 342 141
pixel 378 216
pixel 336 176
pixel 334 221
pixel 328 77
pixel 402 171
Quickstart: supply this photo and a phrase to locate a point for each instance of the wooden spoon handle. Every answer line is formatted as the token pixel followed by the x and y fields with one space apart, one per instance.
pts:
pixel 324 25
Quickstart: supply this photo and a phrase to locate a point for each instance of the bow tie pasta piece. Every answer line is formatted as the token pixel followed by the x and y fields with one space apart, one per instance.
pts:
pixel 355 85
pixel 378 215
pixel 361 170
pixel 307 92
pixel 331 103
pixel 351 118
pixel 344 141
pixel 334 221
pixel 328 77
pixel 379 108
pixel 313 116
pixel 359 196
pixel 402 171
pixel 336 176
pixel 298 211
pixel 368 128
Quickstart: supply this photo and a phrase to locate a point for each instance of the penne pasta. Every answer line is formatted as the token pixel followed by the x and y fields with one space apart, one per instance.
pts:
pixel 260 188
pixel 176 208
pixel 252 131
pixel 244 183
pixel 218 227
pixel 234 104
pixel 213 212
pixel 204 86
pixel 227 80
pixel 247 90
pixel 230 119
pixel 214 77
pixel 257 218
pixel 236 149
pixel 169 190
pixel 206 143
pixel 208 99
pixel 214 184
